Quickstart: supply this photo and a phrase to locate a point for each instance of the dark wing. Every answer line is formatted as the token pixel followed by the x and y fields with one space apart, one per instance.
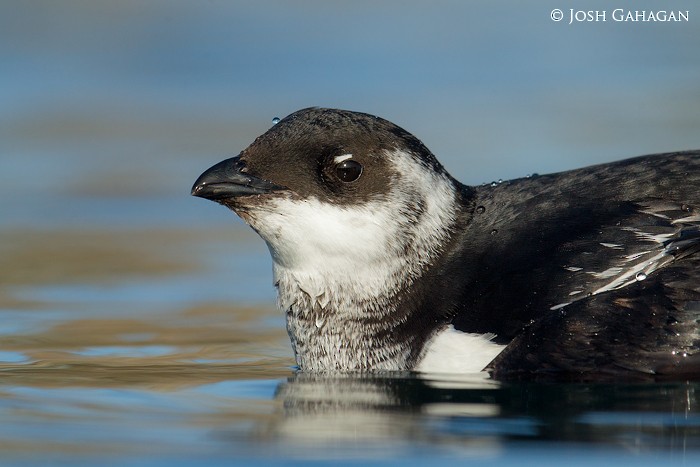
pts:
pixel 540 244
pixel 629 305
pixel 592 271
pixel 647 236
pixel 639 325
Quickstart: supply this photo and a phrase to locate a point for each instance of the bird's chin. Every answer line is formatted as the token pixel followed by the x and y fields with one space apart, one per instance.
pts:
pixel 242 212
pixel 243 200
pixel 241 205
pixel 246 207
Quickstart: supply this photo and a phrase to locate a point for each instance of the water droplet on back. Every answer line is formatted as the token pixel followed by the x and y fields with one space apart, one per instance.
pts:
pixel 494 183
pixel 275 120
pixel 480 210
pixel 641 276
pixel 494 232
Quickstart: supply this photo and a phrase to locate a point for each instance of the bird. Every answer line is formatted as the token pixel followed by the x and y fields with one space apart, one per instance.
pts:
pixel 383 261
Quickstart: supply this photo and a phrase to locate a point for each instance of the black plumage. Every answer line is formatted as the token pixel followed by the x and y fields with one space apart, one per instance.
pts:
pixel 588 274
pixel 538 240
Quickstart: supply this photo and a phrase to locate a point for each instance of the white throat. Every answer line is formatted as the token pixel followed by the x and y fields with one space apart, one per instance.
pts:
pixel 337 264
pixel 364 251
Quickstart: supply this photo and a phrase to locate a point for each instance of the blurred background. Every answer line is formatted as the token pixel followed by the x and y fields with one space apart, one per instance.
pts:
pixel 110 110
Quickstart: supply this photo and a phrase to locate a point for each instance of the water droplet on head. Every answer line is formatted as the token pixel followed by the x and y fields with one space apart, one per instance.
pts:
pixel 641 276
pixel 275 120
pixel 494 183
pixel 480 210
pixel 500 180
pixel 494 232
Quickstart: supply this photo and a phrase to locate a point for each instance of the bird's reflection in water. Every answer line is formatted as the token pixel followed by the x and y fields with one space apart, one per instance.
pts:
pixel 474 413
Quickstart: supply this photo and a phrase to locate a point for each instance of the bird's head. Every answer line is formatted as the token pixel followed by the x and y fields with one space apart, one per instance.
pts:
pixel 338 193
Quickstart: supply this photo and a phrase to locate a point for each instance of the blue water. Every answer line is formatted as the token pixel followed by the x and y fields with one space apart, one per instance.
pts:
pixel 138 325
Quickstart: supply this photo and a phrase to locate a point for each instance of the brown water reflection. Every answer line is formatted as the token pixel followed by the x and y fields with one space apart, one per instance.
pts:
pixel 74 345
pixel 32 257
pixel 186 354
pixel 93 371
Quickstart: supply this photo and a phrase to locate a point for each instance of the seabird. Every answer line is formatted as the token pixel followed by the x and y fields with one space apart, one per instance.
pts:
pixel 383 261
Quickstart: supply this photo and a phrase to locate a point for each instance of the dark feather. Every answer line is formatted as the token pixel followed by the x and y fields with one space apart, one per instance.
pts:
pixel 593 271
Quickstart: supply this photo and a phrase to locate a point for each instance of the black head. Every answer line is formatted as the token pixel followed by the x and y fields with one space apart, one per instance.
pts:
pixel 333 155
pixel 333 191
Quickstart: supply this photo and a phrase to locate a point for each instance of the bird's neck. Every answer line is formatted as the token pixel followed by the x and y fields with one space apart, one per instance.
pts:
pixel 348 303
pixel 366 317
pixel 343 325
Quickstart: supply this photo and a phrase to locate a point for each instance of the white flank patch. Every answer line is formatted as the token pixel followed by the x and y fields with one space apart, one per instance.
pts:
pixel 610 272
pixel 636 266
pixel 687 220
pixel 624 276
pixel 634 256
pixel 649 237
pixel 452 351
pixel 637 272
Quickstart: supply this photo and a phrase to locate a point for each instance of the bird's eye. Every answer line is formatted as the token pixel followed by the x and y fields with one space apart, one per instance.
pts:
pixel 348 170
